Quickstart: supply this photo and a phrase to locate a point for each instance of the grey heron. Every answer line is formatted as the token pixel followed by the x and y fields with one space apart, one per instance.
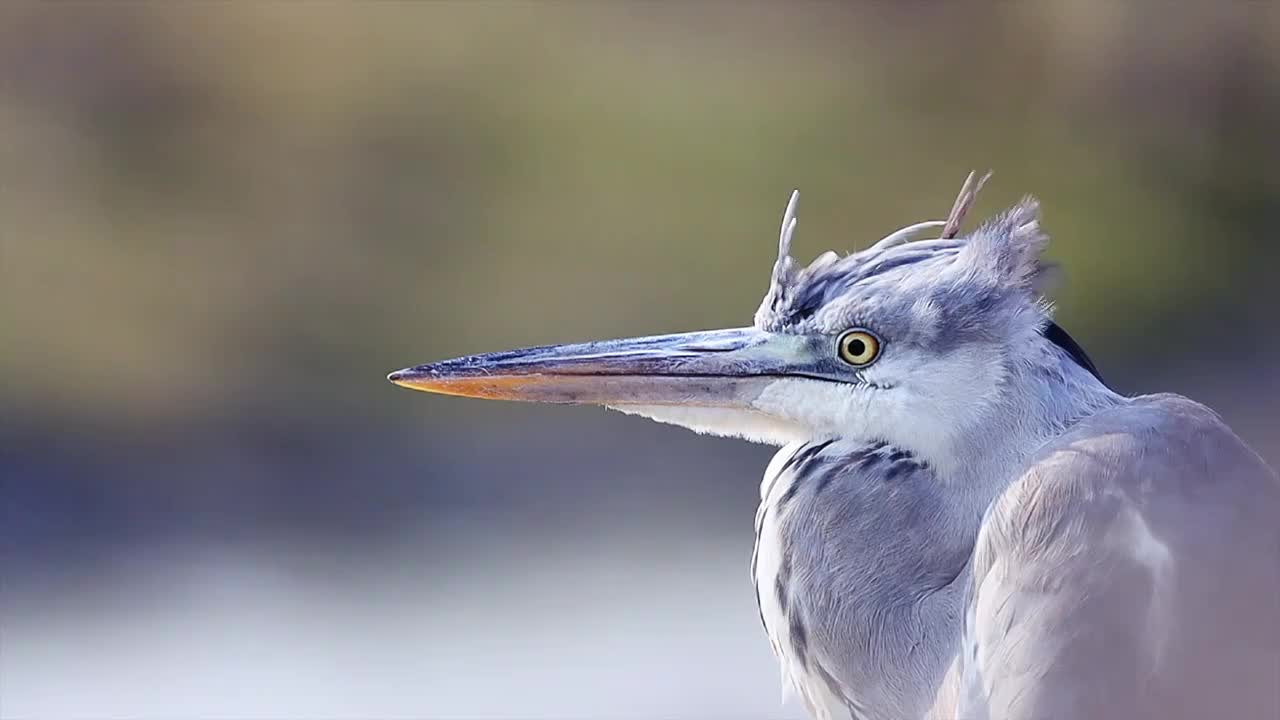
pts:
pixel 964 520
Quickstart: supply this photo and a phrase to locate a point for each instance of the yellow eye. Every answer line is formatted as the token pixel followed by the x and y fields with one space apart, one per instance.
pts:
pixel 859 348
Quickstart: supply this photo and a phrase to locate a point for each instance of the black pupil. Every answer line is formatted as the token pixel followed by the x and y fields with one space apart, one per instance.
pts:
pixel 856 346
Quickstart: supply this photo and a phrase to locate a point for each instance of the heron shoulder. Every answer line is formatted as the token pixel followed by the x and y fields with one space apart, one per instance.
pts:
pixel 1126 564
pixel 1156 457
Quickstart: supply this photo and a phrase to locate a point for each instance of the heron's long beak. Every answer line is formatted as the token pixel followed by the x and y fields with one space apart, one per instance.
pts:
pixel 717 368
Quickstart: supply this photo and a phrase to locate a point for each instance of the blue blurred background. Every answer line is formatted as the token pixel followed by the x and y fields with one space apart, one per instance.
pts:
pixel 222 224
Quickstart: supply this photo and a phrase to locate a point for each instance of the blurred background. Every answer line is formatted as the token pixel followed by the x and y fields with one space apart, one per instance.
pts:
pixel 222 224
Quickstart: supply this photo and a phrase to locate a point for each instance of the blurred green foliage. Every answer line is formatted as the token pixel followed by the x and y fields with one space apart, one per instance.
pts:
pixel 214 210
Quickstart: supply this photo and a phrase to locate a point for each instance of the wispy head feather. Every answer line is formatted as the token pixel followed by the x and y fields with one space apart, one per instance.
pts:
pixel 783 278
pixel 1009 246
pixel 964 200
pixel 949 278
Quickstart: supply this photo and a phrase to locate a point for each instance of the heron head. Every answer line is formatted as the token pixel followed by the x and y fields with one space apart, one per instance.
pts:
pixel 903 340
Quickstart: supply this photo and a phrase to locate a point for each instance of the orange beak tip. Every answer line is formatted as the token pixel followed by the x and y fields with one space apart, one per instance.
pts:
pixel 499 387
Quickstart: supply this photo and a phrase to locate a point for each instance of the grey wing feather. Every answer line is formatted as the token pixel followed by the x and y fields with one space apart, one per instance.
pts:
pixel 1132 571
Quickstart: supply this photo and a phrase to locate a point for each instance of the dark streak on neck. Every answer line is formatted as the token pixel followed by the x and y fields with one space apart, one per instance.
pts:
pixel 1056 335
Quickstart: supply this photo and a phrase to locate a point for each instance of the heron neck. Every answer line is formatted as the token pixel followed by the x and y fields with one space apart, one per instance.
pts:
pixel 880 617
pixel 1054 397
pixel 1041 401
